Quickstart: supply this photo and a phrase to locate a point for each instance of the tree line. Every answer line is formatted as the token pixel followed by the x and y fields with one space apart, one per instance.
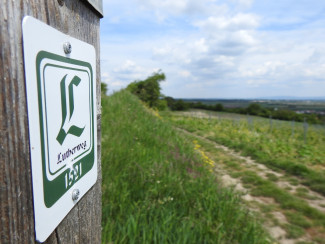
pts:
pixel 258 110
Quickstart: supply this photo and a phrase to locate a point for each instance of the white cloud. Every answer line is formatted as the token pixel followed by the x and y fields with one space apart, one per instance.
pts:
pixel 105 77
pixel 317 56
pixel 230 36
pixel 269 68
pixel 245 3
pixel 130 71
pixel 201 46
pixel 184 73
pixel 129 67
pixel 173 6
pixel 223 23
pixel 124 73
pixel 232 47
pixel 162 52
pixel 166 8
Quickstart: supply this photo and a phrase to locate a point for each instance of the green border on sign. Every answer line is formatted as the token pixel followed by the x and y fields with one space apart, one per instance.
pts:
pixel 55 189
pixel 63 67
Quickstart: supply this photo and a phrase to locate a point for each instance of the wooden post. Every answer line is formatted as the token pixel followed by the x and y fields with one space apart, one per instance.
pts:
pixel 80 20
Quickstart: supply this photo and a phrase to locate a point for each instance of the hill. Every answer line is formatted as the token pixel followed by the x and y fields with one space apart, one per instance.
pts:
pixel 158 187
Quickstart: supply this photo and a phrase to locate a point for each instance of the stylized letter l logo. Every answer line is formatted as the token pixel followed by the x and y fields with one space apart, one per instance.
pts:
pixel 73 130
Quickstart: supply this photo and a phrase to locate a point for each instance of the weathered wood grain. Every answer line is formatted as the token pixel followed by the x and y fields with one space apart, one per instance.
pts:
pixel 83 223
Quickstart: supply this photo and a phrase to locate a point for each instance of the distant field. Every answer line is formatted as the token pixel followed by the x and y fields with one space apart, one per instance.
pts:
pixel 294 105
pixel 200 113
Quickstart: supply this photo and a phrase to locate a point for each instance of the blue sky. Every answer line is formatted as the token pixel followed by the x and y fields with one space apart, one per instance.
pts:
pixel 216 48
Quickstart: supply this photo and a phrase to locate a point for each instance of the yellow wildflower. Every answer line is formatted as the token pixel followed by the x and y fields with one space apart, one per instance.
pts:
pixel 209 163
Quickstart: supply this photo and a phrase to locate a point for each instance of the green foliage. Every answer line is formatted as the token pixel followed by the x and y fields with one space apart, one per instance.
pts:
pixel 156 188
pixel 103 87
pixel 257 109
pixel 176 104
pixel 161 104
pixel 148 90
pixel 254 109
pixel 218 107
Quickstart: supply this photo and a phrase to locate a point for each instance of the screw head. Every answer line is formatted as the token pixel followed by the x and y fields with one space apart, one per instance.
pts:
pixel 67 47
pixel 75 194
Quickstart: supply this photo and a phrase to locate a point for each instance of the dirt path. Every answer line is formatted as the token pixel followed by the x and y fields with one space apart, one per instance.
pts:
pixel 256 203
pixel 314 199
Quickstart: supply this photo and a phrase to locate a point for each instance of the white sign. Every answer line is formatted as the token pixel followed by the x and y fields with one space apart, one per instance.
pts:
pixel 61 101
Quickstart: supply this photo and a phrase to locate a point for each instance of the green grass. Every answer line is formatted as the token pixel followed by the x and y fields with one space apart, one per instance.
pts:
pixel 300 216
pixel 262 187
pixel 157 189
pixel 298 219
pixel 293 231
pixel 275 146
pixel 272 177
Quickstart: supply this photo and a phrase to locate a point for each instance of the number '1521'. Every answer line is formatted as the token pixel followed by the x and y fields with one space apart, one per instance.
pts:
pixel 73 175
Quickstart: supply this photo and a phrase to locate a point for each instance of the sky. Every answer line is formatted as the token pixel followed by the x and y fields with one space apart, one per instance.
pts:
pixel 216 48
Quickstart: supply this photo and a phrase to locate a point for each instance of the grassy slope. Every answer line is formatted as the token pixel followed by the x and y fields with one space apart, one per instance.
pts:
pixel 156 189
pixel 276 147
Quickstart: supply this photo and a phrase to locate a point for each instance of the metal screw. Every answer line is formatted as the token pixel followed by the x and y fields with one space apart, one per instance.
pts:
pixel 75 194
pixel 67 47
